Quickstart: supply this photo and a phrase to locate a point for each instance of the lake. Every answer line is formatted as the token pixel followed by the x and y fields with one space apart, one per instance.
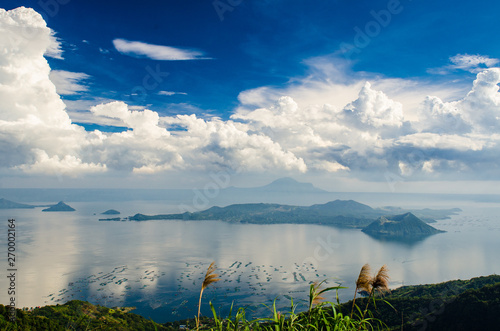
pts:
pixel 158 266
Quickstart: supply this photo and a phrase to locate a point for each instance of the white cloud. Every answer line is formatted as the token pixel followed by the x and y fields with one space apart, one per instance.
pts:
pixel 170 93
pixel 69 165
pixel 370 135
pixel 330 80
pixel 478 111
pixel 156 52
pixel 34 128
pixel 374 109
pixel 445 142
pixel 472 63
pixel 55 48
pixel 331 121
pixel 143 123
pixel 67 82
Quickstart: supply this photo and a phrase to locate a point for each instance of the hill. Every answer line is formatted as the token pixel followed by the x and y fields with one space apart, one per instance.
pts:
pixel 60 206
pixel 400 226
pixel 111 212
pixel 7 204
pixel 76 315
pixel 471 304
pixel 266 213
pixel 341 213
pixel 346 208
pixel 454 305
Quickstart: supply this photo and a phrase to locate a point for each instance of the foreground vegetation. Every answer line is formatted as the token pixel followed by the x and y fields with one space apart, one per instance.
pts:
pixel 456 305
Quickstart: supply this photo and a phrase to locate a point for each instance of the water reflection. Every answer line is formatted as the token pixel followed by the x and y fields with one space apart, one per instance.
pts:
pixel 158 266
pixel 403 240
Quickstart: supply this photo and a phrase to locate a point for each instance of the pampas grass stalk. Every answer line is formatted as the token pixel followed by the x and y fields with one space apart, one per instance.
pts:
pixel 210 277
pixel 363 283
pixel 379 283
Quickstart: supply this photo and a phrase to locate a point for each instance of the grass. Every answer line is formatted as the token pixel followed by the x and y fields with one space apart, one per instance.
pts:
pixel 320 314
pixel 322 311
pixel 449 306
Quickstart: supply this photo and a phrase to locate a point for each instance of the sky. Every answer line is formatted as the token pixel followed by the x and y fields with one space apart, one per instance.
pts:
pixel 392 96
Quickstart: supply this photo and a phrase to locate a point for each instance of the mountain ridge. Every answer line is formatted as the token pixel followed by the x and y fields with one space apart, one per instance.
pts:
pixel 282 185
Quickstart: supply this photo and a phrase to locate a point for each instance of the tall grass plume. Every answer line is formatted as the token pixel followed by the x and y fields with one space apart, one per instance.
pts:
pixel 210 278
pixel 363 283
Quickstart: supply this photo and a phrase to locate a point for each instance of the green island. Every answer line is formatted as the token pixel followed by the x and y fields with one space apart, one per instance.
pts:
pixel 111 212
pixel 60 206
pixel 400 226
pixel 454 305
pixel 379 222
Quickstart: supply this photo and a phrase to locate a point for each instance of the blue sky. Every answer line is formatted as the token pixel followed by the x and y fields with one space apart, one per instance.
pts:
pixel 236 65
pixel 256 44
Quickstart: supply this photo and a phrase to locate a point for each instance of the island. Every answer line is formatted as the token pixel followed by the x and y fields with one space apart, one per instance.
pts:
pixel 111 212
pixel 7 204
pixel 339 213
pixel 400 226
pixel 342 213
pixel 61 206
pixel 113 219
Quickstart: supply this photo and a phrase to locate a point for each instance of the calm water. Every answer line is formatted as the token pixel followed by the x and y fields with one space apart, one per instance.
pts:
pixel 157 266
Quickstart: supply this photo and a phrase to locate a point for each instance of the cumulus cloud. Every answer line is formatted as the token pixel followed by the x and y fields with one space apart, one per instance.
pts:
pixel 39 137
pixel 373 109
pixel 370 136
pixel 327 122
pixel 43 164
pixel 156 52
pixel 478 111
pixel 34 128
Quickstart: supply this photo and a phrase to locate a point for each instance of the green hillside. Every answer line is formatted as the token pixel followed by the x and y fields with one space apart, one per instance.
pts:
pixel 455 305
pixel 75 315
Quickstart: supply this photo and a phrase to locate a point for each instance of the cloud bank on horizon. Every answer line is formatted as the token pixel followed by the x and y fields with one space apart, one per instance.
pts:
pixel 369 136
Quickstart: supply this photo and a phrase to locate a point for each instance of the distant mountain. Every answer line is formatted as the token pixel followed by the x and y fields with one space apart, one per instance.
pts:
pixel 111 212
pixel 7 204
pixel 282 186
pixel 61 206
pixel 400 226
pixel 287 184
